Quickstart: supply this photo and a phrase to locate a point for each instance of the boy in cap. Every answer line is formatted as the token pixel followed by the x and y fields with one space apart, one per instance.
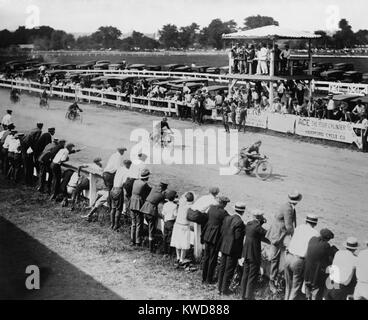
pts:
pixel 232 236
pixel 169 213
pixel 295 257
pixel 211 235
pixel 252 254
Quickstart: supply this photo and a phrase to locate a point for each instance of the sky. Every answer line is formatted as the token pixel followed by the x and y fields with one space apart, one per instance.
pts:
pixel 148 16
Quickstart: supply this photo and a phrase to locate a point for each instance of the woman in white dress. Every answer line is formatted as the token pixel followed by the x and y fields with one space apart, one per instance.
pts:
pixel 181 233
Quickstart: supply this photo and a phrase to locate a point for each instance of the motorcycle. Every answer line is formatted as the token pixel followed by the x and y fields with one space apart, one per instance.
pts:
pixel 261 167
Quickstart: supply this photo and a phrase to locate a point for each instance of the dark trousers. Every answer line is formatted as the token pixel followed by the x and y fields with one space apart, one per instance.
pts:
pixel 56 179
pixel 29 166
pixel 209 262
pixel 364 141
pixel 44 168
pixel 5 164
pixel 226 272
pixel 168 229
pixel 249 279
pixel 152 221
pixel 226 125
pixel 136 228
pixel 194 112
pixel 275 254
pixel 108 179
pixel 200 114
pixel 340 291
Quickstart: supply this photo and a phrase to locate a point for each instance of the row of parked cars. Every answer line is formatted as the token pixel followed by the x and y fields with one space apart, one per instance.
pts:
pixel 343 72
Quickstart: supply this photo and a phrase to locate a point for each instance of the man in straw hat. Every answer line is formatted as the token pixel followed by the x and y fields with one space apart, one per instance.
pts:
pixel 319 256
pixel 140 192
pixel 202 204
pixel 232 236
pixel 280 232
pixel 342 278
pixel 61 157
pixel 252 254
pixel 295 257
pixel 211 235
pixel 117 194
pixel 113 164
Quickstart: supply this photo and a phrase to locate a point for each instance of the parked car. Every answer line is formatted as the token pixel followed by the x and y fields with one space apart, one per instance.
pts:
pixel 200 69
pixel 153 68
pixel 172 67
pixel 86 66
pixel 213 70
pixel 332 75
pixel 352 77
pixel 365 78
pixel 136 66
pixel 68 67
pixel 116 66
pixel 183 69
pixel 344 66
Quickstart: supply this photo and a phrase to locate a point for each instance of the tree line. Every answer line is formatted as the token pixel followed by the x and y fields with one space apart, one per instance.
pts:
pixel 170 37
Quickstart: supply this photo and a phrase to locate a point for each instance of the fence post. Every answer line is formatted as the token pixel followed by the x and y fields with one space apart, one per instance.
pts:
pixel 197 241
pixel 92 188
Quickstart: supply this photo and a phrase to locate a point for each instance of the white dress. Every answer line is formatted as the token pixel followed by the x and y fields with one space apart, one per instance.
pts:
pixel 181 233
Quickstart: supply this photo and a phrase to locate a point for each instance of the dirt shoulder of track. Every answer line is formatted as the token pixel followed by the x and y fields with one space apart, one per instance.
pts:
pixel 82 260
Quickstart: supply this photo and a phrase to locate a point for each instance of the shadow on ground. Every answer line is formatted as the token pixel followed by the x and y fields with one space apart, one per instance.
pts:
pixel 58 278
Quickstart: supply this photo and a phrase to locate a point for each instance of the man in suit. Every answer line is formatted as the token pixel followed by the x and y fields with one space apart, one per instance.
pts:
pixel 150 210
pixel 41 143
pixel 29 141
pixel 252 254
pixel 211 235
pixel 44 160
pixel 280 232
pixel 232 236
pixel 319 257
pixel 140 192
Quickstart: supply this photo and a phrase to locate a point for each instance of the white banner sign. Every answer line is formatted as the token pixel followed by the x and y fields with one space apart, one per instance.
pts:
pixel 281 122
pixel 325 129
pixel 255 119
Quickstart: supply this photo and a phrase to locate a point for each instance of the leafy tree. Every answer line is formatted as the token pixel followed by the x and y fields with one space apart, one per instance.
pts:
pixel 345 37
pixel 106 37
pixel 215 30
pixel 362 37
pixel 258 21
pixel 188 35
pixel 139 41
pixel 169 36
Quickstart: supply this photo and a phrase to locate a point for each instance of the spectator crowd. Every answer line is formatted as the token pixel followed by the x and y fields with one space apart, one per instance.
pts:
pixel 311 267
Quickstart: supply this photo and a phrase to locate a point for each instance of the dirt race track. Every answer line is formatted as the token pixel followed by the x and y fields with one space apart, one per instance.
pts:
pixel 333 180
